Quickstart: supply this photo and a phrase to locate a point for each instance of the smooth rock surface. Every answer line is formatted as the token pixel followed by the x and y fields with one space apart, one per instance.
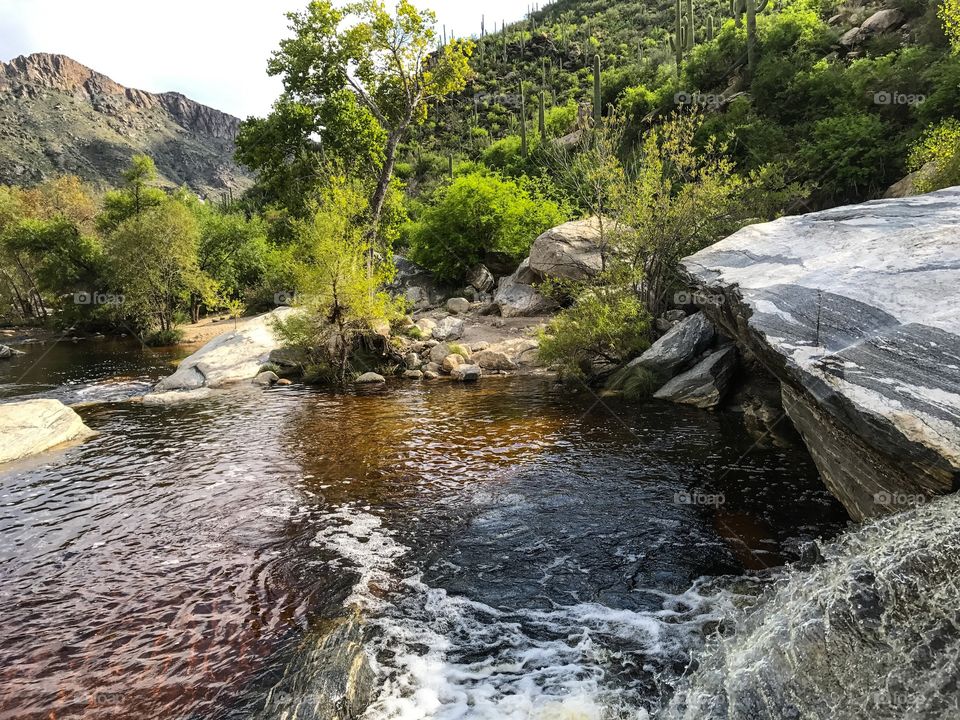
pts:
pixel 570 251
pixel 467 373
pixel 266 378
pixel 229 357
pixel 854 309
pixel 29 427
pixel 705 384
pixel 494 360
pixel 882 21
pixel 481 279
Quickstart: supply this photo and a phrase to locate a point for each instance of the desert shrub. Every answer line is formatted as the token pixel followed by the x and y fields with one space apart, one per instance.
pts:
pixel 478 214
pixel 941 146
pixel 604 328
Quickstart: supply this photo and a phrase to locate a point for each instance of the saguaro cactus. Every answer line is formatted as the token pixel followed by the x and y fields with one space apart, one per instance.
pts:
pixel 676 42
pixel 750 8
pixel 523 124
pixel 709 28
pixel 597 102
pixel 542 117
pixel 690 25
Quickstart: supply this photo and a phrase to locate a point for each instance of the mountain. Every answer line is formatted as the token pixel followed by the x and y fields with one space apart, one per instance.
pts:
pixel 58 116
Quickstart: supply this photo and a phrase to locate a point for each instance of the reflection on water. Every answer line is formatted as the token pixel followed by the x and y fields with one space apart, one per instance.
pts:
pixel 514 550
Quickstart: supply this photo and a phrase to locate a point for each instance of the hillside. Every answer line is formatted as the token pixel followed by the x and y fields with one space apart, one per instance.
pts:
pixel 840 95
pixel 58 116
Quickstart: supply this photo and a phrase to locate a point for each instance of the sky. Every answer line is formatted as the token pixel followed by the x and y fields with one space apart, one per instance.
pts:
pixel 213 51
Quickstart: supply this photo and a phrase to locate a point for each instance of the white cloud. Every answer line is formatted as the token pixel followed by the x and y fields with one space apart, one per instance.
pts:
pixel 214 51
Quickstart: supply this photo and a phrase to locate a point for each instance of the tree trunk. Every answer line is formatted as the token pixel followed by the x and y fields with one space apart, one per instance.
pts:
pixel 383 184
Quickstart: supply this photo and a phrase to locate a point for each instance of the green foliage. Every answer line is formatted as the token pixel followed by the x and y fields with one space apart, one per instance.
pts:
pixel 940 146
pixel 950 15
pixel 340 291
pixel 561 119
pixel 845 157
pixel 604 328
pixel 136 196
pixel 478 215
pixel 164 338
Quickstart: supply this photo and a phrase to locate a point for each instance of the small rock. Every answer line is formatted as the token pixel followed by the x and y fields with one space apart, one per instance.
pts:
pixel 851 37
pixel 450 328
pixel 370 378
pixel 411 360
pixel 266 378
pixel 478 346
pixel 481 278
pixel 451 362
pixel 430 375
pixel 5 352
pixel 458 305
pixel 426 325
pixel 284 381
pixel 438 353
pixel 432 367
pixel 705 384
pixel 663 325
pixel 493 360
pixel 674 315
pixel 467 373
pixel 413 375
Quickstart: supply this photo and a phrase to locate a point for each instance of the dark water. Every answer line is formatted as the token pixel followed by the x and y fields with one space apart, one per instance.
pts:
pixel 513 550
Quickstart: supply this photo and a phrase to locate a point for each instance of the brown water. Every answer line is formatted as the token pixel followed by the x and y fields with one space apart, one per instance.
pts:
pixel 514 550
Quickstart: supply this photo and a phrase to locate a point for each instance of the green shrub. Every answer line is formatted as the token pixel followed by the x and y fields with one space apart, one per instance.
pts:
pixel 603 329
pixel 480 214
pixel 941 146
pixel 163 338
pixel 848 157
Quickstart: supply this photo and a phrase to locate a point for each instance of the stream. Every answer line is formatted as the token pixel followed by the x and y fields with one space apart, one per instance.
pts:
pixel 510 549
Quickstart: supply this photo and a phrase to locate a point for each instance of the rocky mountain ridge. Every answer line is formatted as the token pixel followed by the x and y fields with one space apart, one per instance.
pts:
pixel 59 116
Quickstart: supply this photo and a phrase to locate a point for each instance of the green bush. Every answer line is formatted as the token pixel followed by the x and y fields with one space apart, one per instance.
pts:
pixel 480 214
pixel 163 338
pixel 941 146
pixel 604 328
pixel 848 156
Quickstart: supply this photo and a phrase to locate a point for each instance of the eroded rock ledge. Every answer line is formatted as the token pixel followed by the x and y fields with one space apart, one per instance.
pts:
pixel 855 311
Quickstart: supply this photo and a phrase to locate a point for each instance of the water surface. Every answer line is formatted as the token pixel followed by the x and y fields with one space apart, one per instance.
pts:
pixel 508 550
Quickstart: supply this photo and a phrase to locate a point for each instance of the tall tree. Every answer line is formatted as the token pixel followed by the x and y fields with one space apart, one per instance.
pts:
pixel 387 60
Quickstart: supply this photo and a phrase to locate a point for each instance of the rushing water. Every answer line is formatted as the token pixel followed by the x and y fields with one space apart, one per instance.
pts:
pixel 505 550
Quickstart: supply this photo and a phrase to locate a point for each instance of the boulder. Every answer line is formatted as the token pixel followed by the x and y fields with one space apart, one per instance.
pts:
pixel 853 309
pixel 413 375
pixel 266 378
pixel 438 353
pixel 494 360
pixel 450 328
pixel 570 251
pixel 230 357
pixel 458 305
pixel 515 298
pixel 705 384
pixel 467 373
pixel 29 427
pixel 451 362
pixel 883 21
pixel 432 367
pixel 411 360
pixel 907 185
pixel 682 344
pixel 6 352
pixel 426 325
pixel 370 378
pixel 430 375
pixel 850 38
pixel 480 278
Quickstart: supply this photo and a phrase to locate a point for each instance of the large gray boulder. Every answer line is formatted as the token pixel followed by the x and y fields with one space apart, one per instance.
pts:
pixel 481 279
pixel 854 310
pixel 29 427
pixel 230 357
pixel 705 384
pixel 883 21
pixel 516 297
pixel 570 251
pixel 679 347
pixel 449 328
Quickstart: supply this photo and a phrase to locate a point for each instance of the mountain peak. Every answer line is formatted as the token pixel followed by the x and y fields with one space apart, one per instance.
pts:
pixel 62 116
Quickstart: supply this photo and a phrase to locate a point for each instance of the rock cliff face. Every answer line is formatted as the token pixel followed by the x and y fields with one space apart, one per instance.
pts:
pixel 58 116
pixel 855 311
